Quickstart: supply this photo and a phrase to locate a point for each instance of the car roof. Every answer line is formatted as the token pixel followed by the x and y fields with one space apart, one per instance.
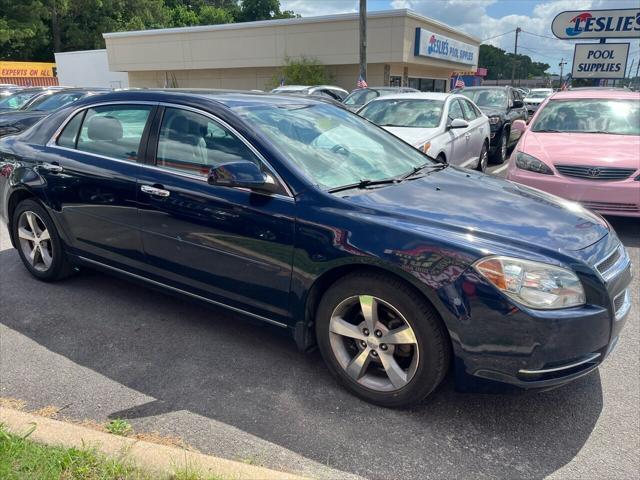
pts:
pixel 488 87
pixel 596 93
pixel 415 96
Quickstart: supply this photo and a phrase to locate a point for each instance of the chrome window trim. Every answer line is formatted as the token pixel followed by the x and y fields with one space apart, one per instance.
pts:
pixel 590 358
pixel 617 268
pixel 52 143
pixel 184 292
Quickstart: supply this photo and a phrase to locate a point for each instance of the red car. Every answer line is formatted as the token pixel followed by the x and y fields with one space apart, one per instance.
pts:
pixel 584 145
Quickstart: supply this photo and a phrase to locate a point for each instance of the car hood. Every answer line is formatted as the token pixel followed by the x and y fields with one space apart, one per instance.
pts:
pixel 489 208
pixel 587 149
pixel 414 136
pixel 28 117
pixel 488 111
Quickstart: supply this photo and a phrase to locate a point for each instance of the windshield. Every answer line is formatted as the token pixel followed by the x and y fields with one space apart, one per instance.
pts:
pixel 486 97
pixel 618 117
pixel 360 97
pixel 539 94
pixel 52 102
pixel 17 100
pixel 331 146
pixel 404 113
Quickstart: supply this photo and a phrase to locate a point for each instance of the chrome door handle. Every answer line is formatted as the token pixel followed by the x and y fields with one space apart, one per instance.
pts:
pixel 51 167
pixel 158 192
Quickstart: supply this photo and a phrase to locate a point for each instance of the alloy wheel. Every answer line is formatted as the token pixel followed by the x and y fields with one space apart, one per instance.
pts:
pixel 373 343
pixel 35 241
pixel 503 148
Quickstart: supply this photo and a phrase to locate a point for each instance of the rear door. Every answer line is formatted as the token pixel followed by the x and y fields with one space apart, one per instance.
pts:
pixel 229 245
pixel 477 131
pixel 92 169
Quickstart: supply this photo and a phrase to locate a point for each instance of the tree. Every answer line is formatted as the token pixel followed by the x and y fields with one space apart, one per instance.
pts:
pixel 302 71
pixel 499 63
pixel 251 10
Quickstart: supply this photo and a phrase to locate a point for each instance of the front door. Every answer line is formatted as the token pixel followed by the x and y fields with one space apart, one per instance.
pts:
pixel 459 155
pixel 230 245
pixel 92 170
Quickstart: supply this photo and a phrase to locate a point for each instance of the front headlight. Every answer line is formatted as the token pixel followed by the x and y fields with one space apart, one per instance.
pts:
pixel 525 161
pixel 494 120
pixel 536 285
pixel 425 148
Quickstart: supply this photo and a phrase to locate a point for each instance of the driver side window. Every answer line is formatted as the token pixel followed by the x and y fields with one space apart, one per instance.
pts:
pixel 455 111
pixel 193 143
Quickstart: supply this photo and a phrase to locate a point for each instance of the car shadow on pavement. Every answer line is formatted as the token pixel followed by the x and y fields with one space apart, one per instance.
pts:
pixel 213 363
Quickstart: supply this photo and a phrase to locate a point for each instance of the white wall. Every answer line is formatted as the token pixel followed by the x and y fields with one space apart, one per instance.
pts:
pixel 88 68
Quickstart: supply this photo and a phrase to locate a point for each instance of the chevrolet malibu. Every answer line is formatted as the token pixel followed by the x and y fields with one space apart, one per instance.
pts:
pixel 307 217
pixel 584 145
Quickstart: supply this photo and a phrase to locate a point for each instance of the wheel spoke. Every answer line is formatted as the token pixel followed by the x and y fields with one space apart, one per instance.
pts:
pixel 394 371
pixel 358 366
pixel 44 235
pixel 400 336
pixel 46 258
pixel 346 329
pixel 33 254
pixel 33 223
pixel 26 235
pixel 369 306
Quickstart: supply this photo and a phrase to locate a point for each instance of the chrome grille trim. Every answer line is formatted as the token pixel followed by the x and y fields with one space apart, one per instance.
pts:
pixel 622 304
pixel 619 207
pixel 589 172
pixel 590 358
pixel 612 271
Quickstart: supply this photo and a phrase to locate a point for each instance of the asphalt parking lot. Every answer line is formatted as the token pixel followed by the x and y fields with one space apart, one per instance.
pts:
pixel 101 347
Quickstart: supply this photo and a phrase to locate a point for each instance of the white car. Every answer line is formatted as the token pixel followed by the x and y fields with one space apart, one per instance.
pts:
pixel 446 126
pixel 535 98
pixel 327 91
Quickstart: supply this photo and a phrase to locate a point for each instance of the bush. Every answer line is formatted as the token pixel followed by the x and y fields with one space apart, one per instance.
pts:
pixel 302 71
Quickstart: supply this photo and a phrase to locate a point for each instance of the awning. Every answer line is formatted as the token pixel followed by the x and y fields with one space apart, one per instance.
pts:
pixel 31 81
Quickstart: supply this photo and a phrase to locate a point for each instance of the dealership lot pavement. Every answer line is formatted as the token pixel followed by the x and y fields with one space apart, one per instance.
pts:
pixel 103 347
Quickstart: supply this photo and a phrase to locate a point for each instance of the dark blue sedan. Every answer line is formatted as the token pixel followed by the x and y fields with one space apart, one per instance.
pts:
pixel 308 217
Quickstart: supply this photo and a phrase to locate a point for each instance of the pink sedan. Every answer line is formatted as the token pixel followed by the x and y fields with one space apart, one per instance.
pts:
pixel 584 145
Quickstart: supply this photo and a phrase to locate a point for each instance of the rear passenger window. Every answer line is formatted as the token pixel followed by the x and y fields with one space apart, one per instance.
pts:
pixel 114 131
pixel 69 135
pixel 192 143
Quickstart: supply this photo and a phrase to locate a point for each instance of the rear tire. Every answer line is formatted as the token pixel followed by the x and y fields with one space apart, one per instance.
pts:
pixel 39 245
pixel 382 340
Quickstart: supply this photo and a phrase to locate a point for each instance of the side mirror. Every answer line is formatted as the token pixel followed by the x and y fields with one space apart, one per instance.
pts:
pixel 519 126
pixel 458 123
pixel 518 104
pixel 244 174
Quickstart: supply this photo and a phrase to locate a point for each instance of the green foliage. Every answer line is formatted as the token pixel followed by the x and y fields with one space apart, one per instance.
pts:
pixel 500 64
pixel 119 427
pixel 302 71
pixel 34 29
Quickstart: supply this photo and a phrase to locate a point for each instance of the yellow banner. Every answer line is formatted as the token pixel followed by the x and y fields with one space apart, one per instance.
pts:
pixel 26 69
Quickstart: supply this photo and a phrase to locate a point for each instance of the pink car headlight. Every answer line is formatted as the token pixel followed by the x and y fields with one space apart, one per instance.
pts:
pixel 528 162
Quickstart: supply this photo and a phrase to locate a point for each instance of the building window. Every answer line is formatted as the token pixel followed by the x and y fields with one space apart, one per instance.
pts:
pixel 395 81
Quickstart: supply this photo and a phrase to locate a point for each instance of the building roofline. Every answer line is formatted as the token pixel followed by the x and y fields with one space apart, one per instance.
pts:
pixel 403 12
pixel 75 52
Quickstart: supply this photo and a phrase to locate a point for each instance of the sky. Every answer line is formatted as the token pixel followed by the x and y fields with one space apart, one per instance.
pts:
pixel 487 18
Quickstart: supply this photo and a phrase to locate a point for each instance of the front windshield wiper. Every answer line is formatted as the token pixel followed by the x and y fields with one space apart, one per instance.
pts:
pixel 548 130
pixel 429 165
pixel 391 125
pixel 364 184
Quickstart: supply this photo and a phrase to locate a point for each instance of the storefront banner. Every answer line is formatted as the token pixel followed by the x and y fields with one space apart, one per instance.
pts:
pixel 434 45
pixel 620 23
pixel 26 69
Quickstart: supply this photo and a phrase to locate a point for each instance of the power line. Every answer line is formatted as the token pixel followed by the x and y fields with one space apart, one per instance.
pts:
pixel 496 36
pixel 538 35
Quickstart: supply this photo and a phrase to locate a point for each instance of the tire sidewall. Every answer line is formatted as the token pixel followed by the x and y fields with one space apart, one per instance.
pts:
pixel 56 245
pixel 429 334
pixel 483 153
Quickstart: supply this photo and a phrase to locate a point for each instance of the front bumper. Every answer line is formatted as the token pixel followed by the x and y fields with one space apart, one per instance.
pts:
pixel 502 346
pixel 607 197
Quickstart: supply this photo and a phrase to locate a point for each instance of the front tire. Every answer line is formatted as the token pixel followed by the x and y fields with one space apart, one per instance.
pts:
pixel 483 160
pixel 38 242
pixel 382 340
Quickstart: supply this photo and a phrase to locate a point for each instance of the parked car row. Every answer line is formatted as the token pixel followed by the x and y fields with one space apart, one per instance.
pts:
pixel 294 212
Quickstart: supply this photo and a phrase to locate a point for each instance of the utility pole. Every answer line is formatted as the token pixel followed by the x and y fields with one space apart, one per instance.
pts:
pixel 515 57
pixel 561 64
pixel 628 75
pixel 363 39
pixel 637 73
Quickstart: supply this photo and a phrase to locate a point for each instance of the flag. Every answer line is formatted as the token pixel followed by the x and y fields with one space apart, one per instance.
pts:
pixel 362 83
pixel 459 82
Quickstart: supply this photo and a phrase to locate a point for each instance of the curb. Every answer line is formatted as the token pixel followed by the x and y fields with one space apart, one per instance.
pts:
pixel 149 456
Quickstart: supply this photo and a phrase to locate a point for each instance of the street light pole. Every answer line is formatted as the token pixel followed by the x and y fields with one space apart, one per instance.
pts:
pixel 363 39
pixel 515 58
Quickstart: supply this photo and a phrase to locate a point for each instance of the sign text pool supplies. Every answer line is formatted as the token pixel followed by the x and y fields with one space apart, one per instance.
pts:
pixel 600 60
